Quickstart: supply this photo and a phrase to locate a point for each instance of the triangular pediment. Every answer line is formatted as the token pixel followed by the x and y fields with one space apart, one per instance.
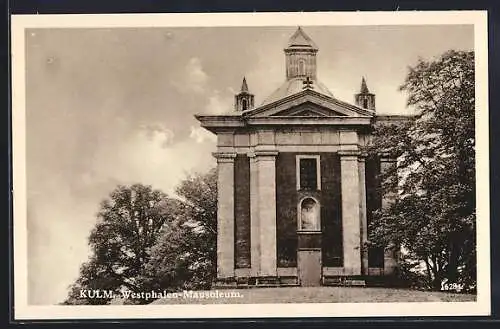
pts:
pixel 308 109
pixel 309 103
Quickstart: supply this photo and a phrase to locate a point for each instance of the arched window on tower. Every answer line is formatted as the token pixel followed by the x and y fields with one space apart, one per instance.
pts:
pixel 302 68
pixel 365 103
pixel 244 104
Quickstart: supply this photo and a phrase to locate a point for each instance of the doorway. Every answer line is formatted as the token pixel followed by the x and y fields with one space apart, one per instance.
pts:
pixel 309 267
pixel 309 244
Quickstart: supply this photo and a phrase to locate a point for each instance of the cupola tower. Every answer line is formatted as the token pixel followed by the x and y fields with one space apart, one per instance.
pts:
pixel 244 100
pixel 300 56
pixel 364 98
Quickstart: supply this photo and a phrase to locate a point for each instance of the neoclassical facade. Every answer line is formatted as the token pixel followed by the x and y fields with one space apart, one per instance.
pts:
pixel 295 191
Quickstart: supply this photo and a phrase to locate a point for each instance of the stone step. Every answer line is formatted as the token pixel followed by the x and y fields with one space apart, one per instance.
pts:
pixel 355 283
pixel 344 281
pixel 267 285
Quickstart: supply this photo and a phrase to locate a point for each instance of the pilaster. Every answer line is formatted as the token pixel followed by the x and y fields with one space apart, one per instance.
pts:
pixel 351 213
pixel 266 210
pixel 254 216
pixel 225 214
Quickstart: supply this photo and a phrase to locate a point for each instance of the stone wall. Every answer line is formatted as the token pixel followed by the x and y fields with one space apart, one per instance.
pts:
pixel 331 210
pixel 242 211
pixel 373 202
pixel 286 210
pixel 287 198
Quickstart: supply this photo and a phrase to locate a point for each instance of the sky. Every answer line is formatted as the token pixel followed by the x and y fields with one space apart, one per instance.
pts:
pixel 109 106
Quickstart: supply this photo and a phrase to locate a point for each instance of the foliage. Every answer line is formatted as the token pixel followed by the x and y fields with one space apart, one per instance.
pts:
pixel 185 255
pixel 94 276
pixel 127 225
pixel 433 217
pixel 146 241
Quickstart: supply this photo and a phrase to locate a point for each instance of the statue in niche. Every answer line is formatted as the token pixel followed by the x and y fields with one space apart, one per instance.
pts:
pixel 309 215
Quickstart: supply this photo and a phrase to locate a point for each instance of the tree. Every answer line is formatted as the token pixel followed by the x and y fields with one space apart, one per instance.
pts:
pixel 184 256
pixel 433 217
pixel 94 276
pixel 146 241
pixel 128 224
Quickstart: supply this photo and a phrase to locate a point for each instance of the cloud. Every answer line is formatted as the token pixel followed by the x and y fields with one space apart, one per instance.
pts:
pixel 219 103
pixel 196 78
pixel 153 158
pixel 200 135
pixel 158 134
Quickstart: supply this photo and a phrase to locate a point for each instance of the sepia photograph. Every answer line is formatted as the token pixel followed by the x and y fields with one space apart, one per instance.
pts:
pixel 250 165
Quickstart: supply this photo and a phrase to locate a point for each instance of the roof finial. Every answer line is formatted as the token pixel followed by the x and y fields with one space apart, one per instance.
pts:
pixel 364 87
pixel 244 86
pixel 308 83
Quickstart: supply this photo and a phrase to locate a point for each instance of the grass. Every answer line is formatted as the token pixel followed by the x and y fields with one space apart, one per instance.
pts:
pixel 320 295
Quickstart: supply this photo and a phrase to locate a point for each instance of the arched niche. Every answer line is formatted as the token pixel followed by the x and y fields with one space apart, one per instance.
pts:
pixel 309 214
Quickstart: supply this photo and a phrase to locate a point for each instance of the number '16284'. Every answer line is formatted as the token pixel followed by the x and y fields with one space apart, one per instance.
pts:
pixel 452 286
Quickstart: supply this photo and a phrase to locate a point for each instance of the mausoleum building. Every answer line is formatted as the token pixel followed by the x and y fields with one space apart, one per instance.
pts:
pixel 295 191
